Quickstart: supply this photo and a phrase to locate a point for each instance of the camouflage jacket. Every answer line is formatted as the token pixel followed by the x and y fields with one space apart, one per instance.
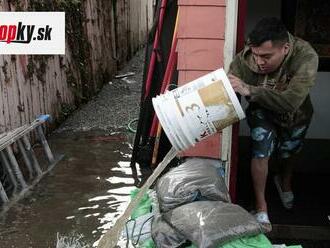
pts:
pixel 285 92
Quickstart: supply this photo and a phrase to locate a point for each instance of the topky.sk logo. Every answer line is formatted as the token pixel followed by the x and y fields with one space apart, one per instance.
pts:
pixel 32 33
pixel 23 33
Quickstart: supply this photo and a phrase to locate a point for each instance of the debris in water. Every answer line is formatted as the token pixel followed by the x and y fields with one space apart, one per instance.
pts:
pixel 125 75
pixel 74 241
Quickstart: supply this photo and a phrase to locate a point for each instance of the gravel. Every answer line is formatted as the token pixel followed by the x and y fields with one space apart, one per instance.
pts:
pixel 115 106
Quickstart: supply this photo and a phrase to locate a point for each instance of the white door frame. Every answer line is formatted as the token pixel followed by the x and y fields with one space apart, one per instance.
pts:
pixel 229 53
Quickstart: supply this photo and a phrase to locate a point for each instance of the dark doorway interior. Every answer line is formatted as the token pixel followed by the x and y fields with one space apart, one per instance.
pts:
pixel 309 219
pixel 309 222
pixel 311 185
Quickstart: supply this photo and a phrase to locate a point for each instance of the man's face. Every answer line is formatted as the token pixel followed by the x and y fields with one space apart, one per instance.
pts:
pixel 269 56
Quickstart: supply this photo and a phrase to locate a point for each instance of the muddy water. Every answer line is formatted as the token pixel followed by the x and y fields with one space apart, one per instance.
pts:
pixel 81 197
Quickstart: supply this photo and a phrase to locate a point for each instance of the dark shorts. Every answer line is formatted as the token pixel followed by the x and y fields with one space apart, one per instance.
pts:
pixel 267 137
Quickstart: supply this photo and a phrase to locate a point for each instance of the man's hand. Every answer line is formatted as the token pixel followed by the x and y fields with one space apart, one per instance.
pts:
pixel 238 85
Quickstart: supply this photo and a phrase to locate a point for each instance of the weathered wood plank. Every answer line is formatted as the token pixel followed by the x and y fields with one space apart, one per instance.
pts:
pixel 113 36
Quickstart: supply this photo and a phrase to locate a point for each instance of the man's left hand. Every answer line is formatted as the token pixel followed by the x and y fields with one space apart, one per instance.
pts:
pixel 238 85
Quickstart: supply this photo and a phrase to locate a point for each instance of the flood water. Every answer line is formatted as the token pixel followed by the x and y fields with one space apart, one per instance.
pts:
pixel 81 197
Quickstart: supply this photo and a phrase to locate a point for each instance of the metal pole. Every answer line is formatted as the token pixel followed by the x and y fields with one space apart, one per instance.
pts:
pixel 4 161
pixel 16 169
pixel 25 158
pixel 3 194
pixel 45 145
pixel 32 155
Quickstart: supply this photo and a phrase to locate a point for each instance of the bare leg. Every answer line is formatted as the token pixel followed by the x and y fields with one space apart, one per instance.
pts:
pixel 288 165
pixel 259 171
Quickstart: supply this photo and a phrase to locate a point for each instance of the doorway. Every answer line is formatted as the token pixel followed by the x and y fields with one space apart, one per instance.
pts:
pixel 310 219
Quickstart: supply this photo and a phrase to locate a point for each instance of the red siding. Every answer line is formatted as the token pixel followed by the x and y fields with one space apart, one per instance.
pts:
pixel 202 2
pixel 199 54
pixel 201 31
pixel 198 18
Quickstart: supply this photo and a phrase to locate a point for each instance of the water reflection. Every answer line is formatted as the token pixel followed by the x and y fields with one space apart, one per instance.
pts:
pixel 84 195
pixel 119 195
pixel 91 207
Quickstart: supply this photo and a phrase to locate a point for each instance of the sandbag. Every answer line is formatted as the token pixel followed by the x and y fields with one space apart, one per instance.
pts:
pixel 195 179
pixel 211 223
pixel 164 235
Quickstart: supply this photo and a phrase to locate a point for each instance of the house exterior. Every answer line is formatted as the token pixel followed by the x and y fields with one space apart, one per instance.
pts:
pixel 206 42
pixel 210 33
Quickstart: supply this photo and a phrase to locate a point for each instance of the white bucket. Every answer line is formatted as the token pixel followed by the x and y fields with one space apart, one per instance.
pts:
pixel 198 109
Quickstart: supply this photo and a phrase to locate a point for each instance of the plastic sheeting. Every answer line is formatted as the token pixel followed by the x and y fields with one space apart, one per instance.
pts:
pixel 211 223
pixel 139 229
pixel 257 241
pixel 196 179
pixel 164 235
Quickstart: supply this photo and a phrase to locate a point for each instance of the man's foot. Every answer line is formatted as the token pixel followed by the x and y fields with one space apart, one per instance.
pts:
pixel 263 219
pixel 286 197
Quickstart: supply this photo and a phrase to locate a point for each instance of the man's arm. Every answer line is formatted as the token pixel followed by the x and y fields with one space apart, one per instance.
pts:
pixel 236 65
pixel 288 100
pixel 239 86
pixel 235 74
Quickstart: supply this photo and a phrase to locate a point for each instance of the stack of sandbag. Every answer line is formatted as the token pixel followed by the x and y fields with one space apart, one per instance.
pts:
pixel 194 205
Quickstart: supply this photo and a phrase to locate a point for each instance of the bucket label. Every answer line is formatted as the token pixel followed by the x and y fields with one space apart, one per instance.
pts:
pixel 219 108
pixel 195 116
pixel 207 110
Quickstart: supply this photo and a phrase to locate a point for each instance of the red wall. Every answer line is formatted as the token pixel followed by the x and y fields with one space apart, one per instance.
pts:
pixel 201 33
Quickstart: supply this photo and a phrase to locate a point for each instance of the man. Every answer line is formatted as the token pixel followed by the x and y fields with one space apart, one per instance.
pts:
pixel 275 73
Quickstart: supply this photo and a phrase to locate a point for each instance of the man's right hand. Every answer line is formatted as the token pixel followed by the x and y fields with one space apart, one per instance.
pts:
pixel 238 85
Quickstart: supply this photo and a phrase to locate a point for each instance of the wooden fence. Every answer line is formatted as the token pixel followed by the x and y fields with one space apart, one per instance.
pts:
pixel 101 35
